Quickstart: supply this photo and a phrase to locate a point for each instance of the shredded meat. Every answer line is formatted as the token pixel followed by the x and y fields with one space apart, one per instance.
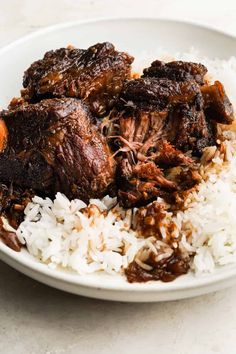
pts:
pixel 159 118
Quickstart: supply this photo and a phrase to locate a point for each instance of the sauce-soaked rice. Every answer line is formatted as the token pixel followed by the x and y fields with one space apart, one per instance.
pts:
pixel 9 238
pixel 165 270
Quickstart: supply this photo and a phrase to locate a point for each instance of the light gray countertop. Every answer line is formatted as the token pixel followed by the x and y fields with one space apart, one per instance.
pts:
pixel 37 319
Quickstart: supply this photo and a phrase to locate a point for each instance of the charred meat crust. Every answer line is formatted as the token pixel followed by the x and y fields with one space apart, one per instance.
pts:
pixel 95 75
pixel 176 71
pixel 54 146
pixel 12 204
pixel 168 112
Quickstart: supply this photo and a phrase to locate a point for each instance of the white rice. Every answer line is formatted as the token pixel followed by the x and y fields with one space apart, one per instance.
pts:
pixel 210 213
pixel 62 234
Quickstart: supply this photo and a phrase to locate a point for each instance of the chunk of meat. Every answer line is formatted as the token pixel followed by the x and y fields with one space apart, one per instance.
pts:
pixel 95 75
pixel 169 156
pixel 175 110
pixel 151 172
pixel 147 131
pixel 141 183
pixel 188 129
pixel 217 104
pixel 12 205
pixel 53 146
pixel 176 71
pixel 160 117
pixel 13 202
pixel 156 93
pixel 10 238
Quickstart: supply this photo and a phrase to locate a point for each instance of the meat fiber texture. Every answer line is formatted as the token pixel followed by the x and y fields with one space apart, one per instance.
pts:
pixel 54 146
pixel 162 118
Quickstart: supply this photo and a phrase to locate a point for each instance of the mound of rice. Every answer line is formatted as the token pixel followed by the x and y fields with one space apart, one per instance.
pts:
pixel 98 237
pixel 210 214
pixel 60 234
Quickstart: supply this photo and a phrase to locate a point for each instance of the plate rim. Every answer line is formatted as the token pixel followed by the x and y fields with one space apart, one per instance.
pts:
pixel 75 279
pixel 226 273
pixel 67 24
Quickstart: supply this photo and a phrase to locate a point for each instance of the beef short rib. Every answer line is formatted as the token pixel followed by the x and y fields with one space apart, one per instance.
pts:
pixel 168 112
pixel 54 146
pixel 95 75
pixel 176 71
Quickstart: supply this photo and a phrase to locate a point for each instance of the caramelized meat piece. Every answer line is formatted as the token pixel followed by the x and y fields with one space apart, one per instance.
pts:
pixel 53 146
pixel 159 118
pixel 176 111
pixel 10 238
pixel 216 103
pixel 13 202
pixel 95 75
pixel 158 93
pixel 141 183
pixel 188 128
pixel 176 71
pixel 147 132
pixel 168 156
pixel 150 171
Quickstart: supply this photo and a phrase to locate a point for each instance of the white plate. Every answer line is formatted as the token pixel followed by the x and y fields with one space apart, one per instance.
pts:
pixel 134 36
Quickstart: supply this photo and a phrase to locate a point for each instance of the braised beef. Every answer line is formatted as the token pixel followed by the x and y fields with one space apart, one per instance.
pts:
pixel 53 146
pixel 189 130
pixel 159 120
pixel 95 75
pixel 13 201
pixel 10 239
pixel 176 71
pixel 12 205
pixel 156 94
pixel 216 103
pixel 148 145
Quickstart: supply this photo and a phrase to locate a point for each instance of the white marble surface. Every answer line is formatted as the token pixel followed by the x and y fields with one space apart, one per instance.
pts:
pixel 36 319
